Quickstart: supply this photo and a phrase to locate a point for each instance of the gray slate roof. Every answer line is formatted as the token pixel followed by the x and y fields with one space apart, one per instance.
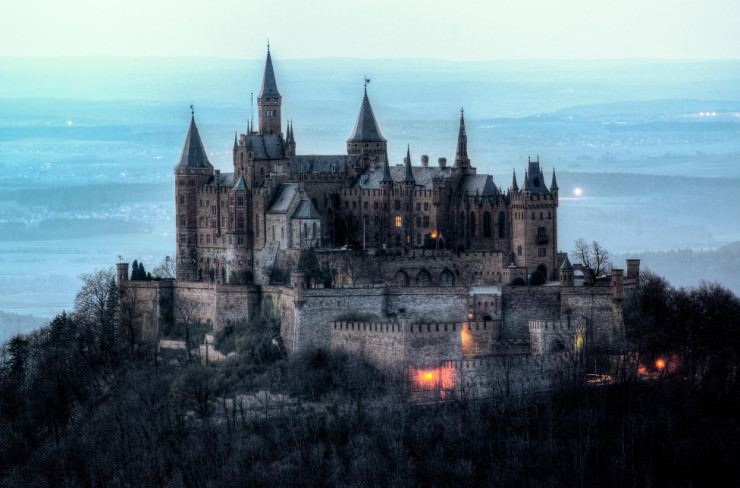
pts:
pixel 269 85
pixel 268 146
pixel 224 179
pixel 534 179
pixel 566 264
pixel 481 185
pixel 306 210
pixel 422 175
pixel 193 153
pixel 318 164
pixel 283 198
pixel 366 128
pixel 241 184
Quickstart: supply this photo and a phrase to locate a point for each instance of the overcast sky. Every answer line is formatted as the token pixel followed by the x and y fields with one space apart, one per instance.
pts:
pixel 447 29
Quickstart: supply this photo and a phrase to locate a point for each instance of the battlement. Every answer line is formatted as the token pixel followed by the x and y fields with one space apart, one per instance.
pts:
pixel 550 326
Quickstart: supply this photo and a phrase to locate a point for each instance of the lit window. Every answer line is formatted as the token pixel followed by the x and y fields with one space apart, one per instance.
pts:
pixel 399 221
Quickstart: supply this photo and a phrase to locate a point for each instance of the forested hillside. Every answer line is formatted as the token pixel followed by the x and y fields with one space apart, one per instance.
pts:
pixel 82 405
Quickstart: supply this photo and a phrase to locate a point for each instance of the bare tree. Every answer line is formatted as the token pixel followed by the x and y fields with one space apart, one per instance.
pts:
pixel 95 303
pixel 166 269
pixel 592 256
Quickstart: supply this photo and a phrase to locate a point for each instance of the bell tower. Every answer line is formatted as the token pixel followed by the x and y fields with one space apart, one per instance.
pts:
pixel 269 101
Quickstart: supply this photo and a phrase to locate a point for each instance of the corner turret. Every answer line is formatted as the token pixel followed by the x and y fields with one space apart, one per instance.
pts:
pixel 366 138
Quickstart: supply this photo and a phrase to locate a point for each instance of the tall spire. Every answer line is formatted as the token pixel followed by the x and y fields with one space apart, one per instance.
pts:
pixel 554 184
pixel 193 153
pixel 290 138
pixel 461 157
pixel 236 145
pixel 409 173
pixel 269 85
pixel 386 171
pixel 514 186
pixel 366 128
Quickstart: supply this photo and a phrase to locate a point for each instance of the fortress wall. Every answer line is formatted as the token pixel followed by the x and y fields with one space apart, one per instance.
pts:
pixel 323 305
pixel 234 304
pixel 427 344
pixel 194 301
pixel 478 338
pixel 380 344
pixel 429 303
pixel 142 303
pixel 520 304
pixel 596 306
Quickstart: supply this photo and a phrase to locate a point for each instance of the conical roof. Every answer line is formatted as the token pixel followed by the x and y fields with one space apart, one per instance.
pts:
pixel 566 264
pixel 366 128
pixel 409 172
pixel 269 85
pixel 193 153
pixel 554 184
pixel 514 186
pixel 461 156
pixel 386 171
pixel 241 185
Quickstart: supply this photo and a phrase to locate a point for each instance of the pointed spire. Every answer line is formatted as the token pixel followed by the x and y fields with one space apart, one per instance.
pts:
pixel 526 180
pixel 193 153
pixel 289 138
pixel 269 85
pixel 366 128
pixel 409 173
pixel 554 184
pixel 386 171
pixel 236 144
pixel 461 157
pixel 566 264
pixel 514 185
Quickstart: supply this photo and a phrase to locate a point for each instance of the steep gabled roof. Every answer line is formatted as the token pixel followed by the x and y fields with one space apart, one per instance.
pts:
pixel 269 85
pixel 566 264
pixel 366 128
pixel 265 146
pixel 283 198
pixel 241 185
pixel 481 185
pixel 193 155
pixel 306 210
pixel 409 176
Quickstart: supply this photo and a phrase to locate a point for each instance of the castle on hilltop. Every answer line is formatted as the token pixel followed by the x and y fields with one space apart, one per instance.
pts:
pixel 414 267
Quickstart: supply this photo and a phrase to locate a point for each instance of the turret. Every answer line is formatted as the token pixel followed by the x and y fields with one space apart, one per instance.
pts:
pixel 121 273
pixel 269 100
pixel 409 175
pixel 514 185
pixel 366 138
pixel 567 277
pixel 289 141
pixel 192 171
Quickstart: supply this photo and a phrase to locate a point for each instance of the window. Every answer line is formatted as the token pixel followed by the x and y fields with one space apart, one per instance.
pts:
pixel 397 205
pixel 213 210
pixel 542 235
pixel 533 217
pixel 240 221
pixel 542 252
pixel 418 206
pixel 472 224
pixel 418 221
pixel 239 201
pixel 354 205
pixel 375 205
pixel 375 219
pixel 501 225
pixel 182 199
pixel 399 221
pixel 486 224
pixel 365 205
pixel 426 221
pixel 519 250
pixel 426 206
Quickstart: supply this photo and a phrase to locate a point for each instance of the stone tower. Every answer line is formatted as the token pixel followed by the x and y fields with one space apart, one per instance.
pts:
pixel 534 222
pixel 366 140
pixel 269 101
pixel 192 171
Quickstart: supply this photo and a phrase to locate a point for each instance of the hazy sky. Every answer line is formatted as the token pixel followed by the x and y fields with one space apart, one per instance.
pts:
pixel 458 29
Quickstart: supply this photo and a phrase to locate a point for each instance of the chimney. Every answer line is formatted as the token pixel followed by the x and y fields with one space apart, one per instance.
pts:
pixel 424 160
pixel 442 162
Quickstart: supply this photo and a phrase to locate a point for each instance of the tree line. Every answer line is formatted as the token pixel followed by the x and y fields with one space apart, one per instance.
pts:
pixel 82 404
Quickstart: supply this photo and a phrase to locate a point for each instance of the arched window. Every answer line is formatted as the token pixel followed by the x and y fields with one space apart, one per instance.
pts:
pixel 501 225
pixel 446 278
pixel 472 224
pixel 486 224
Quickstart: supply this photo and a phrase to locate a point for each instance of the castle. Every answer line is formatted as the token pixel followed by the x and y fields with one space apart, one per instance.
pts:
pixel 413 267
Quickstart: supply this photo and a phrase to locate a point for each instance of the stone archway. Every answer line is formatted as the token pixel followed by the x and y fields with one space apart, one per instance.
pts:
pixel 423 278
pixel 446 278
pixel 543 269
pixel 401 278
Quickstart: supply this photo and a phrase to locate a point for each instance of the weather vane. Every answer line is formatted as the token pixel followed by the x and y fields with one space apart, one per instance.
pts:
pixel 367 80
pixel 192 111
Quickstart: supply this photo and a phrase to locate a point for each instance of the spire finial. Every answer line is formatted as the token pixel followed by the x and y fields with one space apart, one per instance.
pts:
pixel 192 110
pixel 268 44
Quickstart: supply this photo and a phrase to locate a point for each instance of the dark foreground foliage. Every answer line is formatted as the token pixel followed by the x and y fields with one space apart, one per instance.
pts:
pixel 76 410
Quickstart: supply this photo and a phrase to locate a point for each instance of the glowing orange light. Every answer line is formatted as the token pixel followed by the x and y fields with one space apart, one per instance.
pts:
pixel 428 376
pixel 660 364
pixel 434 235
pixel 470 316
